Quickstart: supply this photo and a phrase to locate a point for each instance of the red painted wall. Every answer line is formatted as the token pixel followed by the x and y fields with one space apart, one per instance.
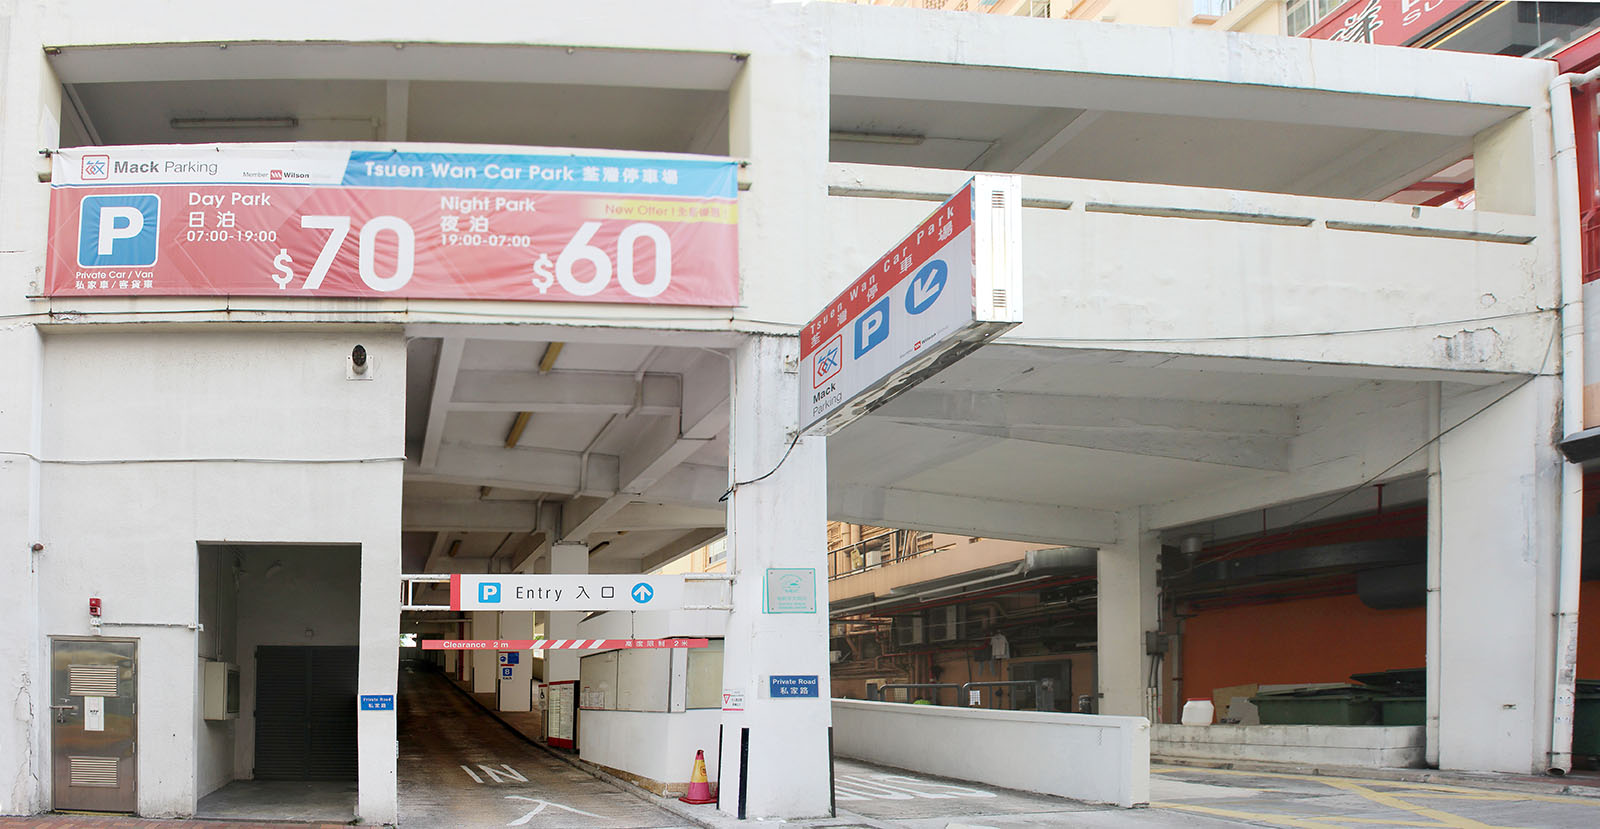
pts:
pixel 1324 639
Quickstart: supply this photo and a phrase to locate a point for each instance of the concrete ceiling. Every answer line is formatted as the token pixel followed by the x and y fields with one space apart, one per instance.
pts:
pixel 622 447
pixel 1059 439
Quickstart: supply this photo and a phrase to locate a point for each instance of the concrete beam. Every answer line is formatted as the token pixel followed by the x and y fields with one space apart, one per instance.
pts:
pixel 537 470
pixel 690 484
pixel 642 516
pixel 436 556
pixel 444 383
pixel 967 515
pixel 1047 150
pixel 468 515
pixel 1059 411
pixel 567 392
pixel 1246 451
pixel 654 452
pixel 582 517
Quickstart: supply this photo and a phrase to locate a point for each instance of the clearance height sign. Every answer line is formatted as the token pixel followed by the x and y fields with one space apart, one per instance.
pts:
pixel 952 284
pixel 315 220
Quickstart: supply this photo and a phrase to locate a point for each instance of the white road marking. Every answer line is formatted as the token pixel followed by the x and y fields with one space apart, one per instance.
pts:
pixel 509 775
pixel 898 787
pixel 541 807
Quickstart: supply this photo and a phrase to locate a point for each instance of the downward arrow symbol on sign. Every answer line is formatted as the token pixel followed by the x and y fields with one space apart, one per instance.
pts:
pixel 926 286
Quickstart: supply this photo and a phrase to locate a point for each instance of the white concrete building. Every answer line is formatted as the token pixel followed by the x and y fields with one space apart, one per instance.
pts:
pixel 1220 317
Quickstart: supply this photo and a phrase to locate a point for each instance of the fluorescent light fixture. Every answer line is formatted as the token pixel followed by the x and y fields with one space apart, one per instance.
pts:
pixel 233 123
pixel 907 139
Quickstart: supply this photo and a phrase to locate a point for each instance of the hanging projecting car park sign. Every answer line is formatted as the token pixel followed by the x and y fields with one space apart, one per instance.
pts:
pixel 320 220
pixel 951 285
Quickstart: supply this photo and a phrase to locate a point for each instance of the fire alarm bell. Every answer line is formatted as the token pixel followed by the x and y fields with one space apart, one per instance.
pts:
pixel 94 607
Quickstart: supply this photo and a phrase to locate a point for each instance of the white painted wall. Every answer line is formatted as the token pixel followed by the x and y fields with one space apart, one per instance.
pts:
pixel 1127 600
pixel 242 391
pixel 516 693
pixel 215 740
pixel 656 747
pixel 30 104
pixel 1500 477
pixel 777 522
pixel 153 470
pixel 485 664
pixel 1360 746
pixel 1100 759
pixel 1102 279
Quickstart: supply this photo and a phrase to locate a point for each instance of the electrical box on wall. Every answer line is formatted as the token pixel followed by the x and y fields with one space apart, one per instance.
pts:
pixel 220 691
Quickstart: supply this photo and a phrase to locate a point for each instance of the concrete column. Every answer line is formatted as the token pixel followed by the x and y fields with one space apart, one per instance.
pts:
pixel 1126 600
pixel 566 559
pixel 1498 501
pixel 484 664
pixel 516 693
pixel 377 735
pixel 778 522
pixel 29 120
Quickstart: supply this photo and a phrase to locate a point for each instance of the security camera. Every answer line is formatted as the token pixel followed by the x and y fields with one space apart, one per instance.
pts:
pixel 358 366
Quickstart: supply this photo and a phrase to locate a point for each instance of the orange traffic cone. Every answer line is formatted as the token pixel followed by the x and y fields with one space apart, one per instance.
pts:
pixel 699 790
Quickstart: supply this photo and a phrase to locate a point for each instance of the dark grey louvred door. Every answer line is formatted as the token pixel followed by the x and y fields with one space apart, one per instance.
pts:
pixel 305 713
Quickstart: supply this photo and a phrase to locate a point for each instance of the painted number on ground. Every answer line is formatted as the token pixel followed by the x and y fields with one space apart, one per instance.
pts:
pixel 898 787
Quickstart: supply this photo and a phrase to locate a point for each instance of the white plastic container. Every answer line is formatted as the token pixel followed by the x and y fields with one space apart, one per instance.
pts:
pixel 1198 711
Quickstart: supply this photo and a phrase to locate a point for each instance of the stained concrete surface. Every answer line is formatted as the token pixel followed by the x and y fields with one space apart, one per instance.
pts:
pixel 302 801
pixel 460 768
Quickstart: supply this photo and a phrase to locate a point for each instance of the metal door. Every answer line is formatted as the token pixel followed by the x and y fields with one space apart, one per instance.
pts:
pixel 94 730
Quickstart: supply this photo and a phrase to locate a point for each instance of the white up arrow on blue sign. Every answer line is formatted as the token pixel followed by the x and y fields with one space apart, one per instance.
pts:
pixel 926 286
pixel 642 592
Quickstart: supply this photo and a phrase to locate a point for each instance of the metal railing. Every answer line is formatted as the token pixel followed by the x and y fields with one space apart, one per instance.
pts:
pixel 876 551
pixel 1044 696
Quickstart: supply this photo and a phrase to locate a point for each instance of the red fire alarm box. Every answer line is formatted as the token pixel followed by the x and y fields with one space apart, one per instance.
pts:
pixel 94 606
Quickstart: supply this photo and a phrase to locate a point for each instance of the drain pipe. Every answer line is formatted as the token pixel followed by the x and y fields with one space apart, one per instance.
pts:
pixel 1570 562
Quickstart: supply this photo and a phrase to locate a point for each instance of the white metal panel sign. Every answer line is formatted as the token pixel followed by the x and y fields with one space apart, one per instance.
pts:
pixel 948 287
pixel 474 591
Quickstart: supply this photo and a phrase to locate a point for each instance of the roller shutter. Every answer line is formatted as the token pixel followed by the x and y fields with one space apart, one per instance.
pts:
pixel 305 713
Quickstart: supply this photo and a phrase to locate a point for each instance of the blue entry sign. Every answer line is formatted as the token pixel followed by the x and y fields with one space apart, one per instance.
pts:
pixel 509 657
pixel 794 685
pixel 377 702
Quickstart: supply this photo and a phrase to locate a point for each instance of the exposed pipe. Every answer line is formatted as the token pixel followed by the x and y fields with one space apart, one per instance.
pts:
pixel 1435 606
pixel 1570 561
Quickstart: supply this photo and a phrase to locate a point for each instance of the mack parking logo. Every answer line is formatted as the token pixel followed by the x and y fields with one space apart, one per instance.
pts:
pixel 95 168
pixel 489 592
pixel 118 231
pixel 829 361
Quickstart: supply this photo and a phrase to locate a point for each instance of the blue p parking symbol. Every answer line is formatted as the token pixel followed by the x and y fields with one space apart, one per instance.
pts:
pixel 489 592
pixel 118 231
pixel 872 327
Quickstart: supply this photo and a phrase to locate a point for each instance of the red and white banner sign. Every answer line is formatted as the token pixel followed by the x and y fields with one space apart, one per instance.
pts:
pixel 952 284
pixel 558 644
pixel 1384 22
pixel 297 220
